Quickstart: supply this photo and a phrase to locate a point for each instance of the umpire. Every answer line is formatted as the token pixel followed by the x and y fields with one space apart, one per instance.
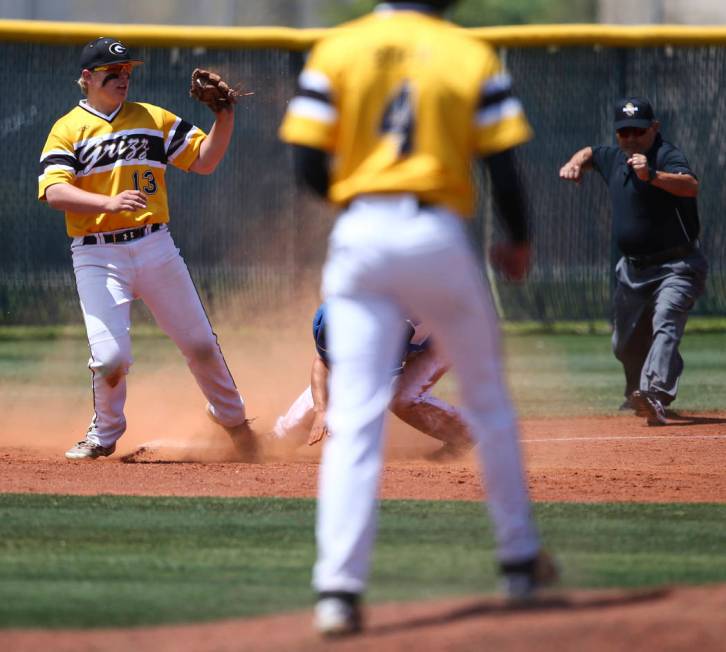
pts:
pixel 662 271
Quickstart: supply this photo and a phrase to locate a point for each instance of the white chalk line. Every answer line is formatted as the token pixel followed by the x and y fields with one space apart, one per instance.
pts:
pixel 683 438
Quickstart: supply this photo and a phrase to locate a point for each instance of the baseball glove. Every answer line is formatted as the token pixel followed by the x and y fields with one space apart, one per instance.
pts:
pixel 210 89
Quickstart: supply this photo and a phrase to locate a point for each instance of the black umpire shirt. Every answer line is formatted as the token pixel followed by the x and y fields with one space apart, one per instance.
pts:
pixel 646 219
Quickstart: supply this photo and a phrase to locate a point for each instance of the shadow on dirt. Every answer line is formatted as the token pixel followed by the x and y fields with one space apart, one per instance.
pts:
pixel 551 603
pixel 692 419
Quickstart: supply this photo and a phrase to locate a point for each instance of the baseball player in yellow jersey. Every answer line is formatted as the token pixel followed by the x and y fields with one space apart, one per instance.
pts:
pixel 104 164
pixel 390 113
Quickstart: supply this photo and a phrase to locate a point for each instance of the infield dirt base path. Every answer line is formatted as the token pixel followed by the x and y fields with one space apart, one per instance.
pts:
pixel 601 459
pixel 613 459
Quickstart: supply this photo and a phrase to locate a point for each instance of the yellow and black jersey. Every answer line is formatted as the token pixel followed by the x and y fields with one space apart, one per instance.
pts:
pixel 402 100
pixel 127 150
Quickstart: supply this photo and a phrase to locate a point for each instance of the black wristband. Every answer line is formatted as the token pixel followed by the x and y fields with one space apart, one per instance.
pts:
pixel 651 173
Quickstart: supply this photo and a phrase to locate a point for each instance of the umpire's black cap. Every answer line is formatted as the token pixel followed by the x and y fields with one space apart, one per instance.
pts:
pixel 106 51
pixel 633 112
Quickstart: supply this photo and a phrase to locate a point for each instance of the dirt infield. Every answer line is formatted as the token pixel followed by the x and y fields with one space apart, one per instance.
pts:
pixel 577 459
pixel 666 621
pixel 598 459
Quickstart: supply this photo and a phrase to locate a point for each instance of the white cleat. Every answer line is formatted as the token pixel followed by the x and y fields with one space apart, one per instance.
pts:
pixel 337 614
pixel 89 450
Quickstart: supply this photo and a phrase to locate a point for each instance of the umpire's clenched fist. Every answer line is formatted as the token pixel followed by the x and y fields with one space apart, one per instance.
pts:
pixel 571 171
pixel 639 163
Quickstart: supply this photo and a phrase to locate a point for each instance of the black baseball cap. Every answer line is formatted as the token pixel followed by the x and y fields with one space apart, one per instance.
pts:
pixel 106 51
pixel 633 112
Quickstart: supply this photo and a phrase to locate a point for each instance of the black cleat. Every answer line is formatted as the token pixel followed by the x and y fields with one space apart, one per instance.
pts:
pixel 648 406
pixel 522 581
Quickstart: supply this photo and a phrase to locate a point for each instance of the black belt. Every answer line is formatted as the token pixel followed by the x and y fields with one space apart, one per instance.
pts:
pixel 660 257
pixel 121 236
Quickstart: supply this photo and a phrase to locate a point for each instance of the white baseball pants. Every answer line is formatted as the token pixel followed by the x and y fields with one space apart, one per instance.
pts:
pixel 389 258
pixel 295 425
pixel 410 387
pixel 109 277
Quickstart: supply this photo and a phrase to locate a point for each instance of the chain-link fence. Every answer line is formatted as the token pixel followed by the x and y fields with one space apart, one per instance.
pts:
pixel 249 238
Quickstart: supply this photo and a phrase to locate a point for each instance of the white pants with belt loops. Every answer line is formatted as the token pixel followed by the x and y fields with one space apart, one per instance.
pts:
pixel 389 259
pixel 109 277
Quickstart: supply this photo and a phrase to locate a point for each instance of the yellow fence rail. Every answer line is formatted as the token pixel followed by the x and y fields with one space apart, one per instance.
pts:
pixel 299 39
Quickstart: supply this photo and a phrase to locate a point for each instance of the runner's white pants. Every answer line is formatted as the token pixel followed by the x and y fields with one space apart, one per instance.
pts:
pixel 388 259
pixel 109 277
pixel 411 387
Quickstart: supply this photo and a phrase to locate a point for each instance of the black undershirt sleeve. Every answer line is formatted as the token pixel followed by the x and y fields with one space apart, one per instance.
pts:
pixel 509 194
pixel 311 169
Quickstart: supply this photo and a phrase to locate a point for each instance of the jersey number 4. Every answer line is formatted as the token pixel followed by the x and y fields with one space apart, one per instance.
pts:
pixel 149 186
pixel 398 119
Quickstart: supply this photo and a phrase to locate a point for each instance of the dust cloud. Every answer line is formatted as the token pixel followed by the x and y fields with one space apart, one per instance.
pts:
pixel 269 355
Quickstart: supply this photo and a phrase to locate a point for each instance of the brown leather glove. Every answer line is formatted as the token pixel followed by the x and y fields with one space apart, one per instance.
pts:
pixel 210 89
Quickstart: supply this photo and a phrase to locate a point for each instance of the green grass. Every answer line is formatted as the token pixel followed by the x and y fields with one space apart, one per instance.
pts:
pixel 104 561
pixel 145 327
pixel 550 374
pixel 568 375
pixel 563 375
pixel 121 561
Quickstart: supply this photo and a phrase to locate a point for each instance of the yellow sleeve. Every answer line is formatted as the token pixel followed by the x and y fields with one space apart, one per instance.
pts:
pixel 499 119
pixel 182 141
pixel 58 161
pixel 311 118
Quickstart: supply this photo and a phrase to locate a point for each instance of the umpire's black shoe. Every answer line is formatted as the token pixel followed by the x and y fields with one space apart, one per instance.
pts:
pixel 647 405
pixel 338 613
pixel 630 405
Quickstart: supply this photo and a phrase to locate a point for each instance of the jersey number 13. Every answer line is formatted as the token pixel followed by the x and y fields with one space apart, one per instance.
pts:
pixel 149 186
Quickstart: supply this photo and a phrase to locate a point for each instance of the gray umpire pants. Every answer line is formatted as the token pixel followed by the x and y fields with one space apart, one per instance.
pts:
pixel 651 307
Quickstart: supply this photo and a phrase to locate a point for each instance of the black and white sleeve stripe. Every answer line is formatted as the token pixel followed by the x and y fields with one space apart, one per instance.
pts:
pixel 496 101
pixel 59 159
pixel 314 98
pixel 178 135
